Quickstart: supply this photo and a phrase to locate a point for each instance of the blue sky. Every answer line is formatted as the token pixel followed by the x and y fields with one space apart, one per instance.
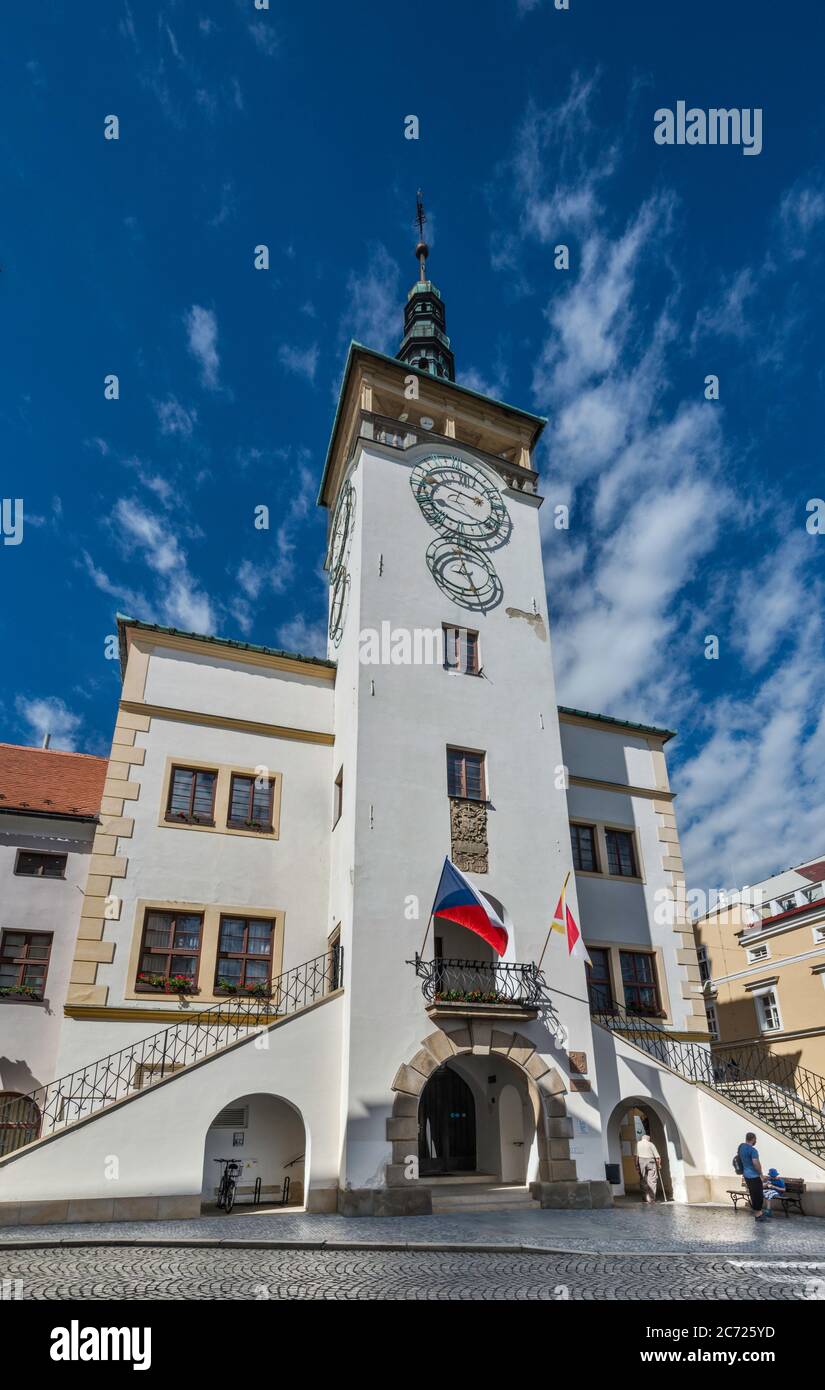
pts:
pixel 286 127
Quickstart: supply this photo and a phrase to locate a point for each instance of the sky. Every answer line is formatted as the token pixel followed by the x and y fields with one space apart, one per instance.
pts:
pixel 284 126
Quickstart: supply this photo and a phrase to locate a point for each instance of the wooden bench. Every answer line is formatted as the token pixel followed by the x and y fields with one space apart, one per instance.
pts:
pixel 790 1200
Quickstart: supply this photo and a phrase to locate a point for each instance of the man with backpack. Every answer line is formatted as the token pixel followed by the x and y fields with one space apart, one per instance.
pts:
pixel 747 1164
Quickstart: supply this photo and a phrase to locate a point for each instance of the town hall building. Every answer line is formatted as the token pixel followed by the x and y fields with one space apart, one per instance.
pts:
pixel 253 972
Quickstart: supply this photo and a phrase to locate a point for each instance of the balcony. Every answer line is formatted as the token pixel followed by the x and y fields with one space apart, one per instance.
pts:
pixel 456 988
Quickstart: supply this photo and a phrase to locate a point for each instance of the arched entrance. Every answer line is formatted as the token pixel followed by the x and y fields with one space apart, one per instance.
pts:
pixel 634 1119
pixel 266 1134
pixel 446 1126
pixel 475 1115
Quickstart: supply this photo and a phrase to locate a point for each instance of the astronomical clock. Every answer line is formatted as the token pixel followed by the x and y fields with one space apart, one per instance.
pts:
pixel 467 510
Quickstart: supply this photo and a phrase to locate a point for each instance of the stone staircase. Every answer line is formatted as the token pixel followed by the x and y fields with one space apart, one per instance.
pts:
pixel 785 1112
pixel 478 1192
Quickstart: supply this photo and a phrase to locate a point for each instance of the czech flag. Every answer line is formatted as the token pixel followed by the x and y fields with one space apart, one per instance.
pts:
pixel 564 922
pixel 456 900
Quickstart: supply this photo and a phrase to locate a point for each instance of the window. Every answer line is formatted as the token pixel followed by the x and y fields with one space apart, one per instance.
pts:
pixel 819 934
pixel 599 985
pixel 19 1121
pixel 641 991
pixel 250 803
pixel 758 953
pixel 621 856
pixel 192 796
pixel 584 848
pixel 704 964
pixel 461 650
pixel 713 1021
pixel 338 798
pixel 811 894
pixel 40 865
pixel 171 946
pixel 334 962
pixel 244 954
pixel 24 962
pixel 465 774
pixel 767 1011
pixel 786 904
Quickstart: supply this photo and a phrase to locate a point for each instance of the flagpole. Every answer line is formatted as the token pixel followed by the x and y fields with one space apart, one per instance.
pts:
pixel 547 942
pixel 432 909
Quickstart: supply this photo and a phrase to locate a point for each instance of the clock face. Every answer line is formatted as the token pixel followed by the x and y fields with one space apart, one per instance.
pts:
pixel 341 534
pixel 465 574
pixel 338 607
pixel 338 554
pixel 459 500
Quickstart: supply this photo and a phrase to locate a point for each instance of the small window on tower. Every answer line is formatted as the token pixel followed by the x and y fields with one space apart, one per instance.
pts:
pixel 465 775
pixel 461 650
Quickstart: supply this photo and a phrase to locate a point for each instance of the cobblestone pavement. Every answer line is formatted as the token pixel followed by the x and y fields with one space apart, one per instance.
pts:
pixel 141 1273
pixel 655 1230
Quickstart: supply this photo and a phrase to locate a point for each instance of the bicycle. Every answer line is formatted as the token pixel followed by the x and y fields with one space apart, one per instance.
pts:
pixel 229 1182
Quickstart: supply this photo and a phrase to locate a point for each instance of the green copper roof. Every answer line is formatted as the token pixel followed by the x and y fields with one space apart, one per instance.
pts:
pixel 123 621
pixel 663 734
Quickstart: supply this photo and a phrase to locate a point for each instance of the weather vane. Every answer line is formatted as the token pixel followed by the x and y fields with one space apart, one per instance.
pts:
pixel 422 250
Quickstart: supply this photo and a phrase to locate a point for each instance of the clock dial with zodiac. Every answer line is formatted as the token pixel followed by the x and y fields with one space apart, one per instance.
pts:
pixel 464 573
pixel 337 557
pixel 460 502
pixel 458 499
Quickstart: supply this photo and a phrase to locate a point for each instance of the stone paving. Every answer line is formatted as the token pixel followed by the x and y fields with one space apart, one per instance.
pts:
pixel 665 1229
pixel 141 1273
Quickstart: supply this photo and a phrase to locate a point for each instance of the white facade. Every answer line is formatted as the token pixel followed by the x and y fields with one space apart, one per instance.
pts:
pixel 30 1031
pixel 357 754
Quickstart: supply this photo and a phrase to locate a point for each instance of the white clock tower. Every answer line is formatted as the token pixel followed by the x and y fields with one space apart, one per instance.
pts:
pixel 447 743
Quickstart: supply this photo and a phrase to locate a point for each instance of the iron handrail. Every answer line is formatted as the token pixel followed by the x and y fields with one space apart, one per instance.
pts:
pixel 143 1064
pixel 798 1114
pixel 453 980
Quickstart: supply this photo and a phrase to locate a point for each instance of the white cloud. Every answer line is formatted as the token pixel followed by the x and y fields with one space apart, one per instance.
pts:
pixel 304 636
pixel 181 601
pixel 264 38
pixel 300 361
pixel 202 332
pixel 175 419
pixel 50 715
pixel 373 297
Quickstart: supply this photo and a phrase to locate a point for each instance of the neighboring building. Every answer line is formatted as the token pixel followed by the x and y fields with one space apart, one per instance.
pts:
pixel 763 970
pixel 49 804
pixel 256 975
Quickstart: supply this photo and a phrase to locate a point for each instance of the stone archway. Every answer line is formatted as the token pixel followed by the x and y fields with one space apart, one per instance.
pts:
pixel 545 1086
pixel 663 1130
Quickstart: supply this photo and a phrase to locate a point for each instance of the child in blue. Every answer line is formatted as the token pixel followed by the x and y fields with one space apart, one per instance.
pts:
pixel 774 1187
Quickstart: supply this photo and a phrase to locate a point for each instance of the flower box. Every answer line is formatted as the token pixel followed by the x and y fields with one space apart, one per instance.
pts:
pixel 165 984
pixel 21 992
pixel 244 991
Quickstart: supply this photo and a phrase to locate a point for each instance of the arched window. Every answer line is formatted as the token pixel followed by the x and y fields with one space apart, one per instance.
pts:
pixel 19 1121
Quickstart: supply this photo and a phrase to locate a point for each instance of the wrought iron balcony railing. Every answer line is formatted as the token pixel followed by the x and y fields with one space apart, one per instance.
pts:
pixel 788 1098
pixel 145 1063
pixel 449 980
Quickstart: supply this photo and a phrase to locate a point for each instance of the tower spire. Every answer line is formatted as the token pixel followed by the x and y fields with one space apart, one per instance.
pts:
pixel 425 343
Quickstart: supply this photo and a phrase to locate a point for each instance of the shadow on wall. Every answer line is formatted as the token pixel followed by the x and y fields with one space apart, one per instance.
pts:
pixel 16 1076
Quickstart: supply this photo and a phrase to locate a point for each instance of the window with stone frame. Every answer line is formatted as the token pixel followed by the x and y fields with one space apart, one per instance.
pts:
pixel 621 853
pixel 583 838
pixel 599 982
pixel 465 775
pixel 169 950
pixel 641 987
pixel 244 954
pixel 34 864
pixel 250 802
pixel 192 796
pixel 24 963
pixel 461 650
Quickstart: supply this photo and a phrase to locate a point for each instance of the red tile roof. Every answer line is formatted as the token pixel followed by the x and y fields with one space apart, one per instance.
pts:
pixel 47 781
pixel 814 872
